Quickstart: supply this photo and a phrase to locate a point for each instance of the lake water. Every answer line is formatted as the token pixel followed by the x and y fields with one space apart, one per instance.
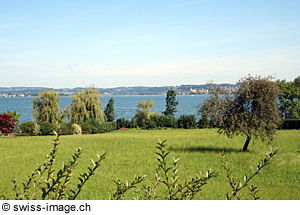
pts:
pixel 125 106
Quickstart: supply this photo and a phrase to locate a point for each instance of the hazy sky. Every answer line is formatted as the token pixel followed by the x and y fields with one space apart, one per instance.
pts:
pixel 70 43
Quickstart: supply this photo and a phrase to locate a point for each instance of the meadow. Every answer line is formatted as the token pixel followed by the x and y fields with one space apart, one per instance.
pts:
pixel 131 153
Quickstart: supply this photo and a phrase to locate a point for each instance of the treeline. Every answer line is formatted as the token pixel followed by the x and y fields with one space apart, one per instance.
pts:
pixel 257 102
pixel 85 115
pixel 137 90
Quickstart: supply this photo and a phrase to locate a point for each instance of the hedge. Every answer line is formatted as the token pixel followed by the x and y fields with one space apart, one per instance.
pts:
pixel 291 124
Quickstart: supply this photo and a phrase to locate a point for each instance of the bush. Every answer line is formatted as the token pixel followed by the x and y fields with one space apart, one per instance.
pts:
pixel 150 124
pixel 291 124
pixel 161 121
pixel 92 126
pixel 7 124
pixel 204 123
pixel 70 129
pixel 75 129
pixel 107 127
pixel 66 128
pixel 47 128
pixel 187 121
pixel 95 126
pixel 30 128
pixel 170 122
pixel 123 123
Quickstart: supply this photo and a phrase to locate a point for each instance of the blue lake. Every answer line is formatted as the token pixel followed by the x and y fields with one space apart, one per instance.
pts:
pixel 125 106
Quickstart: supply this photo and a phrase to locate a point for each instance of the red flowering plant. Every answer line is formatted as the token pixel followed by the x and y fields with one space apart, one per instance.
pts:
pixel 7 123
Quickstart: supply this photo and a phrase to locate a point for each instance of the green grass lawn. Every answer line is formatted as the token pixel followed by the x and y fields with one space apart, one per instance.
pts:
pixel 131 153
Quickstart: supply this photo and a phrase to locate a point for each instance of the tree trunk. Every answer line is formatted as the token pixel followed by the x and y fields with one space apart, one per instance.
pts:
pixel 246 143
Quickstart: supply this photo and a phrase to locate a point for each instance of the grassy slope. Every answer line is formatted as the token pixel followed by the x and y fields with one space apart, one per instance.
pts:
pixel 131 153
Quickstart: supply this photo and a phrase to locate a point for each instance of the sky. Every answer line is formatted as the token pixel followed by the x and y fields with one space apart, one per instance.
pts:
pixel 78 43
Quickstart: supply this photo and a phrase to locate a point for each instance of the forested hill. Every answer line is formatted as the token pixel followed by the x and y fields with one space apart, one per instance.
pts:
pixel 138 90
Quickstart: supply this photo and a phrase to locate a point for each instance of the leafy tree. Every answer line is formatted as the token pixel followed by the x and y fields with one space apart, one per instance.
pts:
pixel 7 124
pixel 187 121
pixel 143 112
pixel 110 111
pixel 46 107
pixel 212 109
pixel 86 106
pixel 171 103
pixel 251 111
pixel 289 105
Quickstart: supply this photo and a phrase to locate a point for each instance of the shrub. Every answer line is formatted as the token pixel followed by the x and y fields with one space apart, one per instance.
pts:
pixel 107 127
pixel 170 122
pixel 16 119
pixel 66 128
pixel 7 124
pixel 123 123
pixel 30 128
pixel 204 123
pixel 238 185
pixel 150 124
pixel 92 126
pixel 291 124
pixel 161 121
pixel 75 129
pixel 47 128
pixel 187 121
pixel 158 121
pixel 95 126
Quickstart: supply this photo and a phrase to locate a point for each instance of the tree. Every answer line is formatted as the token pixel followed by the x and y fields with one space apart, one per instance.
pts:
pixel 171 103
pixel 85 106
pixel 46 107
pixel 110 111
pixel 143 112
pixel 251 111
pixel 7 124
pixel 297 82
pixel 212 109
pixel 289 105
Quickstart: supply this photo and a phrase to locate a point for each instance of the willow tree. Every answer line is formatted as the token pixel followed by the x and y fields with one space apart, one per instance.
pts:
pixel 85 106
pixel 46 107
pixel 251 110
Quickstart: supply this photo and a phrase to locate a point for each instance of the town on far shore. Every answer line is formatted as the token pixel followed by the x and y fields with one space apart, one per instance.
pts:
pixel 12 95
pixel 119 91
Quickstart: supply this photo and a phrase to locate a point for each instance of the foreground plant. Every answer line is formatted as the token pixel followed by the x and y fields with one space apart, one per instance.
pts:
pixel 48 184
pixel 238 185
pixel 167 176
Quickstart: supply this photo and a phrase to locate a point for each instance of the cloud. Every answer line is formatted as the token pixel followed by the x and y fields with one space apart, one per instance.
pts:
pixel 281 63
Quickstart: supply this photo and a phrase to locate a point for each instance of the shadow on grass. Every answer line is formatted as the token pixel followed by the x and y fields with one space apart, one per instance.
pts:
pixel 205 149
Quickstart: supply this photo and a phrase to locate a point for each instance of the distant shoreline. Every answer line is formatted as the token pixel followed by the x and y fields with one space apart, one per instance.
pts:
pixel 203 89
